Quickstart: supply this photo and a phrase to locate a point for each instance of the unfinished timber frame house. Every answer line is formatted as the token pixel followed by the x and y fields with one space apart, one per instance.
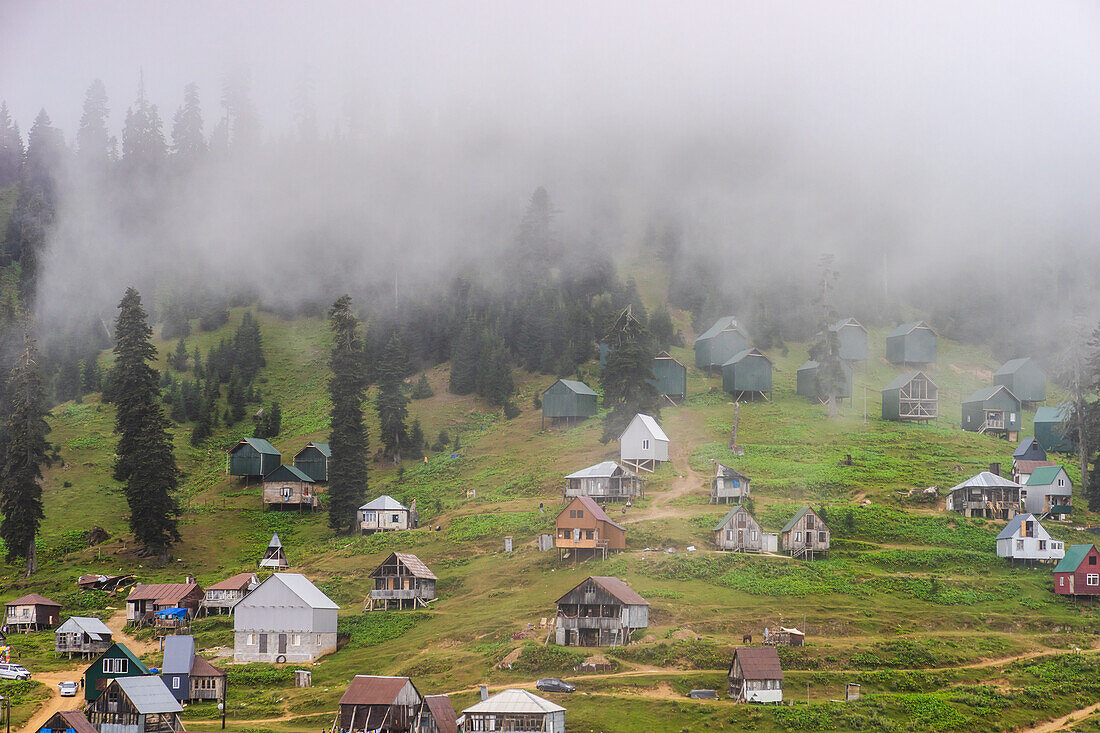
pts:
pixel 601 611
pixel 986 495
pixel 403 581
pixel 607 481
pixel 912 397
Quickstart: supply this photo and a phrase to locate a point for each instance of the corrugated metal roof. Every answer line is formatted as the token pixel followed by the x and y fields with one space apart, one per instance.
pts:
pixel 261 446
pixel 300 586
pixel 1029 466
pixel 578 387
pixel 906 328
pixel 986 479
pixel 295 474
pixel 413 563
pixel 1010 366
pixel 326 451
pixel 166 592
pixel 729 516
pixel 1013 526
pixel 179 653
pixel 1075 555
pixel 1043 475
pixel 664 355
pixel 275 541
pixel 798 515
pixel 725 470
pixel 903 379
pixel 1026 446
pixel 384 503
pixel 847 322
pixel 605 469
pixel 71 719
pixel 1055 413
pixel 239 581
pixel 594 509
pixel 443 712
pixel 758 662
pixel 202 668
pixel 33 599
pixel 984 393
pixel 809 365
pixel 650 425
pixel 373 690
pixel 148 694
pixel 747 353
pixel 722 324
pixel 619 589
pixel 91 626
pixel 514 701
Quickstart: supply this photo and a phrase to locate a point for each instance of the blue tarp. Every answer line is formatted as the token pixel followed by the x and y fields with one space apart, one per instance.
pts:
pixel 172 613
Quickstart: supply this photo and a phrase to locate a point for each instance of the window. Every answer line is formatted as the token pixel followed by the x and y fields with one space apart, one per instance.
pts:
pixel 1062 580
pixel 369 517
pixel 1042 544
pixel 251 639
pixel 1019 544
pixel 1092 559
pixel 175 683
pixel 1012 417
pixel 821 537
pixel 1092 579
pixel 729 534
pixel 1061 482
pixel 395 518
pixel 580 514
pixel 797 536
pixel 645 444
pixel 752 534
pixel 589 534
pixel 296 640
pixel 572 513
pixel 116 666
pixel 286 492
pixel 809 521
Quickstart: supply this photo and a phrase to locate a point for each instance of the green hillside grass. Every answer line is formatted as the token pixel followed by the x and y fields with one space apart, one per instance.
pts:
pixel 909 601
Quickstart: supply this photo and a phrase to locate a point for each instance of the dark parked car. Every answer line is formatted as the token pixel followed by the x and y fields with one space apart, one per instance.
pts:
pixel 553 684
pixel 703 695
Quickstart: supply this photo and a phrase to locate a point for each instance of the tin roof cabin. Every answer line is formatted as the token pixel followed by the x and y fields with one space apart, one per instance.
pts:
pixel 720 343
pixel 728 485
pixel 669 377
pixel 748 375
pixel 286 619
pixel 805 535
pixel 985 495
pixel 568 402
pixel 643 444
pixel 1024 378
pixel 117 661
pixel 136 705
pixel 1048 491
pixel 287 487
pixel 252 458
pixel 82 635
pixel 443 716
pixel 582 526
pixel 1051 429
pixel 385 514
pixel 1078 573
pixel 911 397
pixel 375 703
pixel 852 337
pixel 32 612
pixel 992 410
pixel 223 595
pixel 402 581
pixel 755 675
pixel 274 557
pixel 313 461
pixel 187 676
pixel 1024 538
pixel 517 711
pixel 145 600
pixel 606 481
pixel 911 343
pixel 740 532
pixel 600 611
pixel 808 385
pixel 1029 449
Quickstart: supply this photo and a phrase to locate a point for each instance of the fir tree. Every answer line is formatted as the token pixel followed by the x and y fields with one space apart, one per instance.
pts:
pixel 348 439
pixel 627 388
pixel 464 360
pixel 143 146
pixel 416 440
pixel 188 145
pixel 11 147
pixel 93 142
pixel 392 404
pixel 422 390
pixel 494 374
pixel 27 451
pixel 179 359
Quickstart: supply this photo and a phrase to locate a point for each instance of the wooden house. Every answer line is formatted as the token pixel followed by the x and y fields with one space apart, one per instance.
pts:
pixel 223 595
pixel 1078 573
pixel 568 401
pixel 390 704
pixel 402 580
pixel 606 481
pixel 286 619
pixel 1048 491
pixel 136 705
pixel 808 385
pixel 747 375
pixel 82 635
pixel 145 600
pixel 669 378
pixel 992 410
pixel 728 485
pixel 852 337
pixel 583 526
pixel 289 487
pixel 252 458
pixel 719 343
pixel 755 675
pixel 385 514
pixel 1024 538
pixel 1029 449
pixel 911 343
pixel 740 532
pixel 443 716
pixel 117 661
pixel 1051 429
pixel 516 711
pixel 911 397
pixel 68 721
pixel 31 613
pixel 643 444
pixel 1022 470
pixel 805 535
pixel 1024 378
pixel 189 677
pixel 600 611
pixel 313 461
pixel 985 495
pixel 274 557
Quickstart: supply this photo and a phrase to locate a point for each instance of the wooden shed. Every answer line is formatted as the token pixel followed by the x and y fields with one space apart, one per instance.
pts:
pixel 643 444
pixel 739 531
pixel 374 703
pixel 117 661
pixel 568 401
pixel 146 599
pixel 223 595
pixel 993 410
pixel 32 612
pixel 1048 490
pixel 68 721
pixel 313 461
pixel 755 675
pixel 136 705
pixel 403 581
pixel 748 375
pixel 600 611
pixel 1078 573
pixel 728 485
pixel 606 481
pixel 911 343
pixel 912 397
pixel 669 378
pixel 82 635
pixel 290 488
pixel 252 458
pixel 1051 429
pixel 805 535
pixel 1025 378
pixel 852 337
pixel 583 526
pixel 1024 538
pixel 386 514
pixel 720 343
pixel 808 385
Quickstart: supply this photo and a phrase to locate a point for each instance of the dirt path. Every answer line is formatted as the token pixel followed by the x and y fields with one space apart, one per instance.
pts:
pixel 1060 723
pixel 686 482
pixel 117 624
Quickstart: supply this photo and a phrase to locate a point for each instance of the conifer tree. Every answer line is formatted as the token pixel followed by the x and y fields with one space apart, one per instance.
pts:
pixel 392 404
pixel 27 451
pixel 464 359
pixel 143 146
pixel 416 446
pixel 494 374
pixel 627 388
pixel 422 389
pixel 825 349
pixel 348 439
pixel 179 359
pixel 93 142
pixel 188 145
pixel 11 147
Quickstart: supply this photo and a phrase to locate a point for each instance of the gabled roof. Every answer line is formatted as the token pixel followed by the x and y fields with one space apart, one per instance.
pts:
pixel 903 379
pixel 1026 446
pixel 261 446
pixel 374 690
pixel 729 516
pixel 286 472
pixel 74 720
pixel 240 581
pixel 847 322
pixel 1029 466
pixel 740 355
pixel 119 649
pixel 907 328
pixel 615 587
pixel 758 662
pixel 33 599
pixel 412 563
pixel 575 386
pixel 148 695
pixel 1013 526
pixel 1043 476
pixel 384 503
pixel 514 701
pixel 202 668
pixel 324 448
pixel 665 356
pixel 93 627
pixel 443 712
pixel 179 653
pixel 650 425
pixel 725 323
pixel 725 470
pixel 985 393
pixel 986 479
pixel 300 586
pixel 275 541
pixel 1052 413
pixel 808 365
pixel 162 592
pixel 1075 555
pixel 1011 366
pixel 605 469
pixel 594 509
pixel 798 515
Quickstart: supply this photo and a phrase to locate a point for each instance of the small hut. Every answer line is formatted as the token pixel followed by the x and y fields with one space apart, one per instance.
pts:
pixel 274 557
pixel 985 495
pixel 728 485
pixel 82 635
pixel 719 343
pixel 1029 449
pixel 606 481
pixel 313 461
pixel 994 410
pixel 32 612
pixel 852 337
pixel 403 580
pixel 252 458
pixel 188 676
pixel 1025 378
pixel 643 444
pixel 1051 429
pixel 755 675
pixel 583 525
pixel 514 710
pixel 805 535
pixel 911 343
pixel 386 514
pixel 68 721
pixel 808 384
pixel 148 599
pixel 1078 573
pixel 740 532
pixel 223 595
pixel 669 378
pixel 289 486
pixel 912 397
pixel 748 375
pixel 1024 538
pixel 1048 491
pixel 568 401
pixel 381 704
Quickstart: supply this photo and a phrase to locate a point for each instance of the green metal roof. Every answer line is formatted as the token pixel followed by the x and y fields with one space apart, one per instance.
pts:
pixel 1043 476
pixel 117 649
pixel 578 387
pixel 323 447
pixel 984 393
pixel 741 355
pixel 1075 555
pixel 903 379
pixel 1010 366
pixel 798 515
pixel 295 474
pixel 719 326
pixel 906 328
pixel 847 322
pixel 729 516
pixel 261 446
pixel 1049 413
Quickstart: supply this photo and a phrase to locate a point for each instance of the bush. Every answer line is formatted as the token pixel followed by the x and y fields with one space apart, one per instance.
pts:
pixel 377 627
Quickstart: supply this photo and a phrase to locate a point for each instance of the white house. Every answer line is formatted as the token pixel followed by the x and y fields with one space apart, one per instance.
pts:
pixel 286 619
pixel 514 710
pixel 1048 490
pixel 1025 539
pixel 385 514
pixel 643 444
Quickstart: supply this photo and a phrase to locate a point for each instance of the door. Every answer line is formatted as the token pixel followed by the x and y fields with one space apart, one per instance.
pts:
pixel 263 643
pixel 282 643
pixel 740 537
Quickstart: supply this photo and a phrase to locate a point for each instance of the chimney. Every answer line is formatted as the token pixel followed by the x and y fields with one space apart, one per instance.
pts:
pixel 189 579
pixel 995 469
pixel 484 692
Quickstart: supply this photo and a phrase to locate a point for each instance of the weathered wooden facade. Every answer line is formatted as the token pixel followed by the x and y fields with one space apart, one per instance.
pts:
pixel 985 495
pixel 385 514
pixel 600 611
pixel 313 461
pixel 82 635
pixel 145 600
pixel 1048 491
pixel 606 481
pixel 288 487
pixel 117 661
pixel 748 375
pixel 136 705
pixel 994 411
pixel 808 385
pixel 568 401
pixel 739 531
pixel 68 721
pixel 911 397
pixel 719 343
pixel 1025 539
pixel 1078 573
pixel 515 711
pixel 286 619
pixel 223 595
pixel 582 527
pixel 384 704
pixel 852 337
pixel 1052 431
pixel 401 581
pixel 1022 470
pixel 252 458
pixel 443 718
pixel 1024 378
pixel 728 485
pixel 31 613
pixel 755 675
pixel 643 444
pixel 274 556
pixel 188 676
pixel 805 535
pixel 911 343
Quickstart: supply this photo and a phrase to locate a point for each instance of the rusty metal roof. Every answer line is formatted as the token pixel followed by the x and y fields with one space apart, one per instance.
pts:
pixel 413 563
pixel 615 587
pixel 443 713
pixel 33 599
pixel 371 690
pixel 239 581
pixel 162 592
pixel 74 720
pixel 758 662
pixel 594 508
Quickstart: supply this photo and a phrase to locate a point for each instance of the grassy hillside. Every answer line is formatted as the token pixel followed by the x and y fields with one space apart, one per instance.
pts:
pixel 912 604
